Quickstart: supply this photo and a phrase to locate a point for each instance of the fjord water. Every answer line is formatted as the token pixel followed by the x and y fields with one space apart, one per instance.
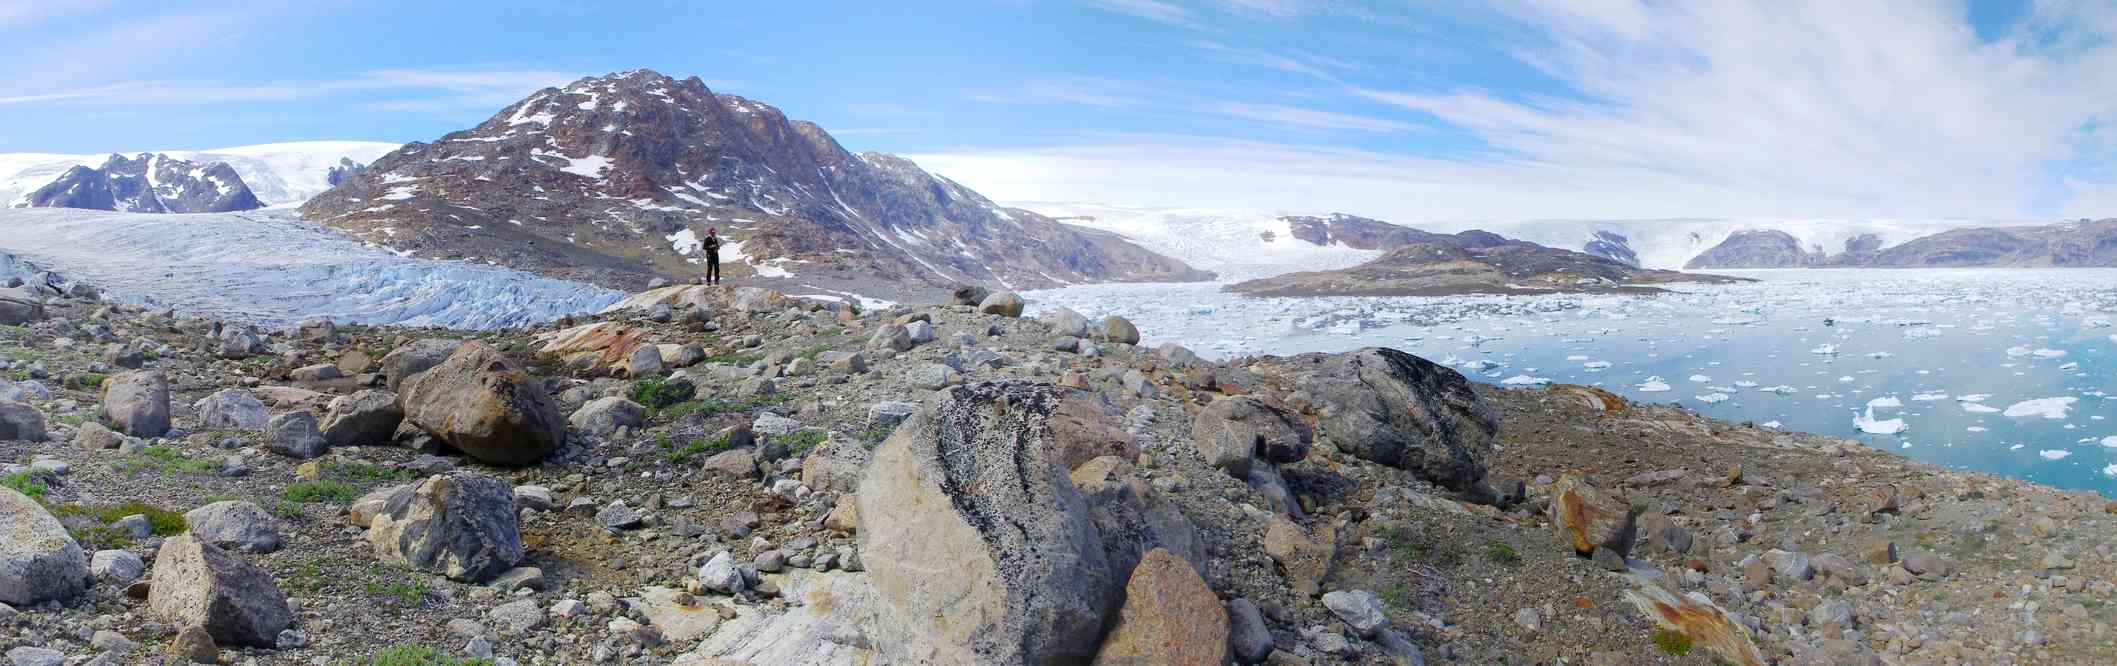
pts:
pixel 1999 371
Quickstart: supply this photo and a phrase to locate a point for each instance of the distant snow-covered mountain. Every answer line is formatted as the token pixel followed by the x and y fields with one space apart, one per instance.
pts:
pixel 278 174
pixel 146 183
pixel 1242 244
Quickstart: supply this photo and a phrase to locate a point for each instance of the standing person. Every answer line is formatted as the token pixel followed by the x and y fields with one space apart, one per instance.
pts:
pixel 712 246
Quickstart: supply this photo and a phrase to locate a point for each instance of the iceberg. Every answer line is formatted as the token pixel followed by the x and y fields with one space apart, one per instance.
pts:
pixel 2050 408
pixel 1825 350
pixel 1886 401
pixel 1711 398
pixel 1525 381
pixel 2054 454
pixel 1654 384
pixel 1866 422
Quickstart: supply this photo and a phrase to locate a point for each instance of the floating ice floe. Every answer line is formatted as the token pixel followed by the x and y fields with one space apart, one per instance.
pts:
pixel 1975 429
pixel 1973 397
pixel 1826 350
pixel 1781 389
pixel 1744 383
pixel 2110 441
pixel 1979 408
pixel 1866 422
pixel 1700 378
pixel 2054 454
pixel 1525 381
pixel 1886 401
pixel 2018 351
pixel 2070 366
pixel 2050 408
pixel 1654 384
pixel 1711 398
pixel 1770 424
pixel 1593 366
pixel 1481 365
pixel 2110 470
pixel 2048 353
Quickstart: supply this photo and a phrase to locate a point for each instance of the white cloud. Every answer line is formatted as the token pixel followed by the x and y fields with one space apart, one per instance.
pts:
pixel 1089 91
pixel 1152 10
pixel 1310 118
pixel 1795 108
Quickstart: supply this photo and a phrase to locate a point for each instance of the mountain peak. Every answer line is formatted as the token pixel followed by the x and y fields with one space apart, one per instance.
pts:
pixel 601 180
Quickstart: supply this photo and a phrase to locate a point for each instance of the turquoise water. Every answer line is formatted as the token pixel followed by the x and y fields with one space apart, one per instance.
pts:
pixel 1988 370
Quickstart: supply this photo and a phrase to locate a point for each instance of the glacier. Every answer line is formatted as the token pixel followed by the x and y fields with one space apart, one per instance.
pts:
pixel 272 269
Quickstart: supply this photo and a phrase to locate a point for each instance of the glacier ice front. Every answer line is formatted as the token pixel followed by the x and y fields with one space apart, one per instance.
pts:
pixel 274 270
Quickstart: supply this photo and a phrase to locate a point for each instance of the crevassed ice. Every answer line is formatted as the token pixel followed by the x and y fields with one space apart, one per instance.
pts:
pixel 274 270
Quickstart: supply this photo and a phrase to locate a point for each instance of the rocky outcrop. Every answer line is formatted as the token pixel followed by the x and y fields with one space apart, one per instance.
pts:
pixel 1613 246
pixel 198 584
pixel 1396 409
pixel 1755 248
pixel 980 547
pixel 1472 262
pixel 460 525
pixel 147 183
pixel 484 405
pixel 615 179
pixel 39 560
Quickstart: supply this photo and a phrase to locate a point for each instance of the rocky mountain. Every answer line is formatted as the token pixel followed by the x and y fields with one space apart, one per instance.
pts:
pixel 2082 243
pixel 146 183
pixel 346 168
pixel 1756 248
pixel 1612 245
pixel 279 174
pixel 1419 263
pixel 614 179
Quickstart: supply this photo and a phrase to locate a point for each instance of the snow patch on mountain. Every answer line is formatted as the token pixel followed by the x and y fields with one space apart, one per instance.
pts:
pixel 271 269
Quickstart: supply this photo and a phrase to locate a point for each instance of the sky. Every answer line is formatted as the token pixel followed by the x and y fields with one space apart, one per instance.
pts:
pixel 1405 110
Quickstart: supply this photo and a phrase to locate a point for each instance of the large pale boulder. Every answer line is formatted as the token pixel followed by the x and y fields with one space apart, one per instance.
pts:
pixel 1396 409
pixel 1065 323
pixel 484 405
pixel 1170 617
pixel 460 525
pixel 603 416
pixel 19 306
pixel 366 418
pixel 404 362
pixel 39 560
pixel 982 550
pixel 20 421
pixel 1005 304
pixel 232 409
pixel 1231 431
pixel 137 402
pixel 202 585
pixel 235 525
pixel 1118 330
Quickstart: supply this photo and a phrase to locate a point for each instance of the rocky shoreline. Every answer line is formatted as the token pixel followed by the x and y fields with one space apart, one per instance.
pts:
pixel 709 475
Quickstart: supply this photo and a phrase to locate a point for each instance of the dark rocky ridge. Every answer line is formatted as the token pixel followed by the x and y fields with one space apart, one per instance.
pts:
pixel 2082 243
pixel 1613 246
pixel 1421 263
pixel 147 183
pixel 601 181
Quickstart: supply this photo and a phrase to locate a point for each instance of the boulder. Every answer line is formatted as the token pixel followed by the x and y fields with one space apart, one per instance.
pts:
pixel 1005 304
pixel 1132 517
pixel 317 329
pixel 1396 409
pixel 969 294
pixel 404 362
pixel 237 342
pixel 1065 323
pixel 235 525
pixel 92 436
pixel 604 348
pixel 366 418
pixel 980 547
pixel 294 435
pixel 39 560
pixel 1306 559
pixel 603 416
pixel 1589 518
pixel 137 402
pixel 19 306
pixel 645 361
pixel 116 566
pixel 199 584
pixel 232 409
pixel 1118 330
pixel 484 405
pixel 316 373
pixel 1248 635
pixel 1233 429
pixel 1170 616
pixel 22 422
pixel 1085 426
pixel 1359 609
pixel 460 525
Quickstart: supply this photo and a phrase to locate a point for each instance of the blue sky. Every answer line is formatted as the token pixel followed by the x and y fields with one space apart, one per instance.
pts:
pixel 1410 110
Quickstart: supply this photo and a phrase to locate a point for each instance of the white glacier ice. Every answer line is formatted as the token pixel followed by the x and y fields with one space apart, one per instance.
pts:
pixel 1866 422
pixel 273 270
pixel 2050 408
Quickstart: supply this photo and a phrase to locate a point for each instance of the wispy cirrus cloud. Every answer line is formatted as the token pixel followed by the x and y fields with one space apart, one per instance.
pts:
pixel 1153 10
pixel 1309 118
pixel 1087 91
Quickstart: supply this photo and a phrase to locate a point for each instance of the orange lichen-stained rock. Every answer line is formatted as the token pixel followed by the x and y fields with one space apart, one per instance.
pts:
pixel 1696 618
pixel 1169 617
pixel 1595 398
pixel 599 347
pixel 1585 516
